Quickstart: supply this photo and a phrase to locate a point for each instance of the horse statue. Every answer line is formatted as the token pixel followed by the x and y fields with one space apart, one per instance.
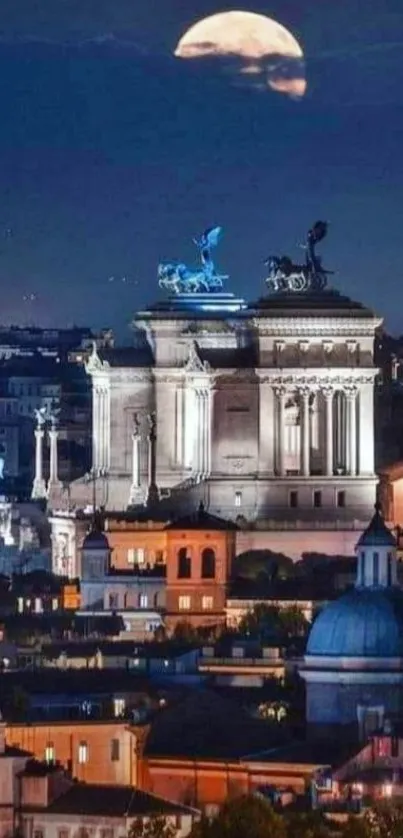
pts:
pixel 284 275
pixel 177 277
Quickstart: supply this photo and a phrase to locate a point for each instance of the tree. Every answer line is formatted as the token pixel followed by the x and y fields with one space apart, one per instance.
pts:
pixel 307 825
pixel 152 827
pixel 243 817
pixel 383 821
pixel 262 622
pixel 292 622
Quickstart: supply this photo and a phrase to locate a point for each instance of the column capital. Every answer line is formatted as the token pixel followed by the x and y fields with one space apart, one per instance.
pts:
pixel 350 389
pixel 279 389
pixel 327 389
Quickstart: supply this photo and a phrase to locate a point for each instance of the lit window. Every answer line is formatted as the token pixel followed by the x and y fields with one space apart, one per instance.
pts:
pixel 207 603
pixel 184 603
pixel 50 753
pixel 55 604
pixel 238 498
pixel 119 707
pixel 38 605
pixel 136 555
pixel 387 790
pixel 143 601
pixel 20 604
pixel 82 753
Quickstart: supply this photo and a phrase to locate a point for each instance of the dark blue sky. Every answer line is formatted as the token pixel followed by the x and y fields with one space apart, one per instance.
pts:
pixel 114 155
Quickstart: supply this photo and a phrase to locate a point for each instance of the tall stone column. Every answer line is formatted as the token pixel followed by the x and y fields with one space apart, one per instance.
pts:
pixel 366 442
pixel 280 392
pixel 351 397
pixel 39 485
pixel 153 493
pixel 136 480
pixel 53 464
pixel 328 394
pixel 305 394
pixel 267 434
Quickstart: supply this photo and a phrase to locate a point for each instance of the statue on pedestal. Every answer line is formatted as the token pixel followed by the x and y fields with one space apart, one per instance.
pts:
pixel 285 275
pixel 177 277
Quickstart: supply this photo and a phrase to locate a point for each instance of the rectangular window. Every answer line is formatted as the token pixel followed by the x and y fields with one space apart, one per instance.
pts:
pixel 207 603
pixel 82 753
pixel 184 603
pixel 293 499
pixel 341 499
pixel 143 601
pixel 238 499
pixel 63 833
pixel 50 753
pixel 115 750
pixel 38 833
pixel 317 499
pixel 106 833
pixel 136 555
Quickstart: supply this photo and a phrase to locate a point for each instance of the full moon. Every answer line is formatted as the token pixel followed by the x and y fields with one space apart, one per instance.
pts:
pixel 266 51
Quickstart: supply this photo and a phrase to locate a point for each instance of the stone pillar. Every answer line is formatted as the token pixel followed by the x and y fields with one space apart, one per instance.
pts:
pixel 267 435
pixel 136 480
pixel 305 432
pixel 366 444
pixel 153 493
pixel 53 464
pixel 328 394
pixel 280 392
pixel 179 429
pixel 351 397
pixel 39 486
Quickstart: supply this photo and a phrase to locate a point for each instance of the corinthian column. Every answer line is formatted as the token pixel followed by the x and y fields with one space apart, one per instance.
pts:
pixel 305 394
pixel 328 393
pixel 135 487
pixel 280 392
pixel 53 465
pixel 153 493
pixel 351 397
pixel 39 486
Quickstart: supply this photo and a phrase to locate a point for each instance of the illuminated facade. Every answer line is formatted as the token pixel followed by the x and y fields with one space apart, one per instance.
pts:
pixel 262 411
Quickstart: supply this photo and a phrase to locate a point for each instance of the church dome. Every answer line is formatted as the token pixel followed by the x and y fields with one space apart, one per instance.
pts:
pixel 365 622
pixel 95 540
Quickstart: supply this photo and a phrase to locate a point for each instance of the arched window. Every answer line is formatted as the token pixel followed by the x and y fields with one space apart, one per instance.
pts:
pixel 389 570
pixel 376 569
pixel 362 573
pixel 208 563
pixel 184 564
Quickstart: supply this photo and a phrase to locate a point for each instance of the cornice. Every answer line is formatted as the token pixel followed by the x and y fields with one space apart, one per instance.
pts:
pixel 316 327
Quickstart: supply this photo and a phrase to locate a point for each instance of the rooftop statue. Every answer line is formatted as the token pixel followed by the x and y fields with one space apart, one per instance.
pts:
pixel 177 277
pixel 284 275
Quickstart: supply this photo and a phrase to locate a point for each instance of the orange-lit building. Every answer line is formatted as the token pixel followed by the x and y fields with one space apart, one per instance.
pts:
pixel 200 551
pixel 94 752
pixel 391 493
pixel 70 597
pixel 136 543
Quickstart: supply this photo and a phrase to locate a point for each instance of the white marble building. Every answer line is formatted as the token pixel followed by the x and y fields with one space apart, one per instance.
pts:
pixel 263 411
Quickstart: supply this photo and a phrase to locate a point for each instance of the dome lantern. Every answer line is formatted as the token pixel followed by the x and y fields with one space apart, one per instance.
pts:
pixel 376 555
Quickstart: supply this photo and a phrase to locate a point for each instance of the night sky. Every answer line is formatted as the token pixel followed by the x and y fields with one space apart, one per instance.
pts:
pixel 114 154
